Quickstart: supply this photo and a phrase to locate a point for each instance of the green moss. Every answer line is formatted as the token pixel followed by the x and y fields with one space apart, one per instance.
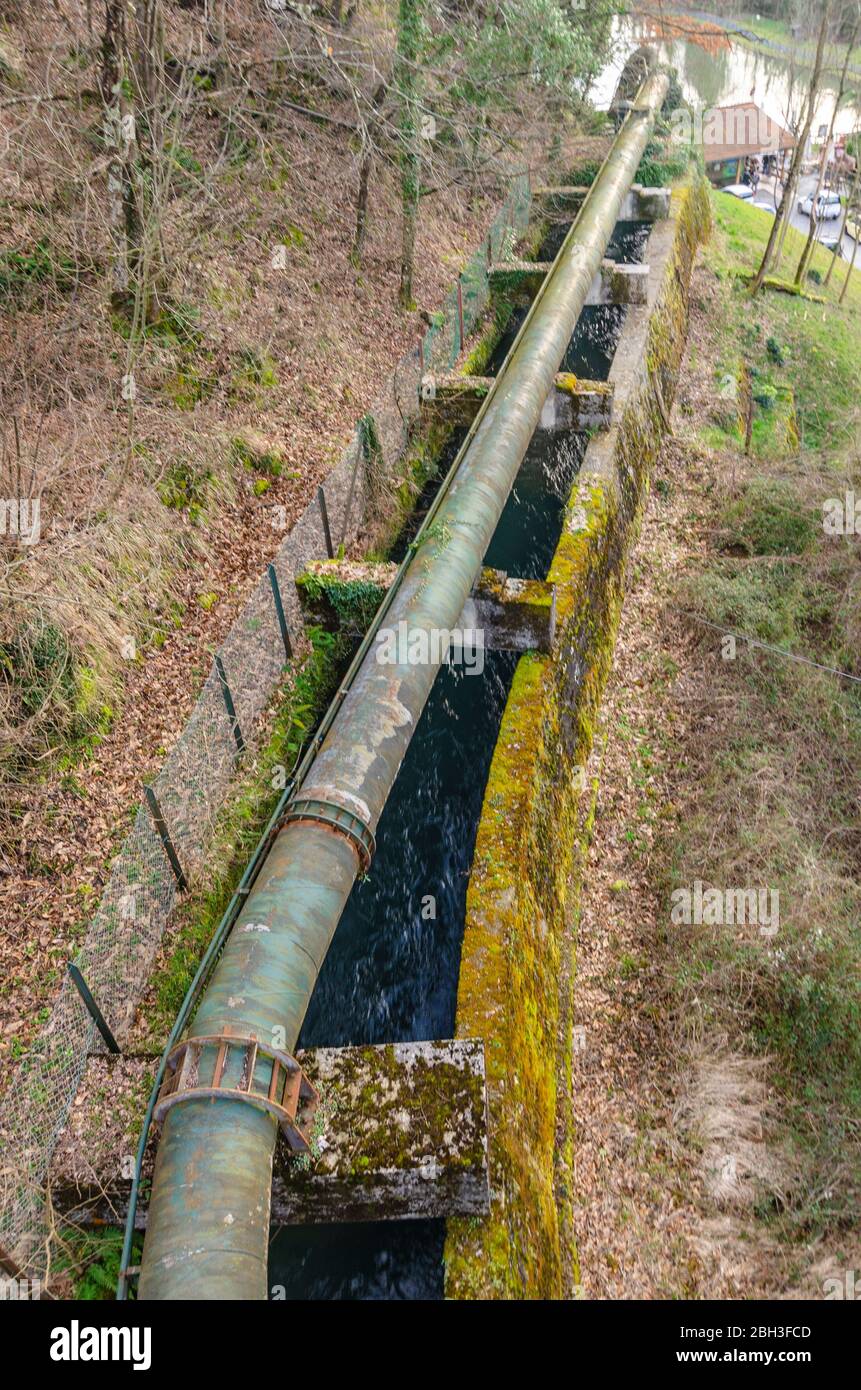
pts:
pixel 176 325
pixel 43 264
pixel 384 1096
pixel 339 600
pixel 255 373
pixel 293 237
pixel 185 488
pixel 257 455
pixel 188 386
pixel 489 335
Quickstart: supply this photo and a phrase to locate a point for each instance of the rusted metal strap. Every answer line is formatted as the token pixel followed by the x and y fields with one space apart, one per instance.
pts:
pixel 337 818
pixel 284 1091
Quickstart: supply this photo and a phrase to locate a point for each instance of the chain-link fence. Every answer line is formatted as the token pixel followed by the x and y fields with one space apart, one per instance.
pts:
pixel 468 298
pixel 177 821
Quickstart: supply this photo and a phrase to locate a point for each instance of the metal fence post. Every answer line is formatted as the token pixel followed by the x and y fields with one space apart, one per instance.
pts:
pixel 92 1008
pixel 229 705
pixel 279 609
pixel 327 534
pixel 167 842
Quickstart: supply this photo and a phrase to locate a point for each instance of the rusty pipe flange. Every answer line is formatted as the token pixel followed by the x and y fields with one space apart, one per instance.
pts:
pixel 283 1093
pixel 338 818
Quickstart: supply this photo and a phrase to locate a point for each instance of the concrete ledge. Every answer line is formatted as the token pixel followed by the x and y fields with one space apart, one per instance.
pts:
pixel 624 284
pixel 452 399
pixel 514 615
pixel 400 1133
pixel 573 404
pixel 577 404
pixel 646 204
pixel 560 202
pixel 518 277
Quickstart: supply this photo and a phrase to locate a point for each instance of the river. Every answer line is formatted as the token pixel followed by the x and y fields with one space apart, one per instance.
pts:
pixel 731 74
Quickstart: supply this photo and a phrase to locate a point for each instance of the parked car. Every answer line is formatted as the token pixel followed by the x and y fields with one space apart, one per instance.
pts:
pixel 766 207
pixel 834 244
pixel 739 190
pixel 828 205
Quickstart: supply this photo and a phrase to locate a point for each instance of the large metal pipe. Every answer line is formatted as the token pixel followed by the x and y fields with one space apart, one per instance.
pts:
pixel 208 1226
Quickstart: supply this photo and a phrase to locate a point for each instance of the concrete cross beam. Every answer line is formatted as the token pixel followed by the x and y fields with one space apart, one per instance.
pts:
pixel 515 615
pixel 576 404
pixel 560 202
pixel 646 204
pixel 400 1133
pixel 624 284
pixel 524 278
pixel 573 403
pixel 512 615
pixel 453 399
pixel 518 278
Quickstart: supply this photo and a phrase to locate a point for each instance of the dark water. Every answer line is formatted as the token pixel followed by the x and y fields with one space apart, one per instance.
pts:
pixel 388 975
pixel 391 972
pixel 626 244
pixel 381 1260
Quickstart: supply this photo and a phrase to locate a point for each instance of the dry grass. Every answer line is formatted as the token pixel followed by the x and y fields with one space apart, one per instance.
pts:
pixel 727 1110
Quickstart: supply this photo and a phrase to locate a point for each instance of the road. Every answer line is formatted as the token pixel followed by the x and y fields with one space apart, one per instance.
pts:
pixel 807 184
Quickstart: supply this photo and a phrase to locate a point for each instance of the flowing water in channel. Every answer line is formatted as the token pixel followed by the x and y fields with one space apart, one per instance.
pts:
pixel 391 973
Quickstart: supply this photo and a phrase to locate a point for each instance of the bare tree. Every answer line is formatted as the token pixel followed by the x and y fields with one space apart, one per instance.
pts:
pixel 406 82
pixel 807 251
pixel 797 156
pixel 852 200
pixel 119 138
pixel 369 141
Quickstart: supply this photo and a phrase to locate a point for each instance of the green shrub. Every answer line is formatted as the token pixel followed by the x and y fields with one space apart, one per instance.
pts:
pixel 769 518
pixel 20 270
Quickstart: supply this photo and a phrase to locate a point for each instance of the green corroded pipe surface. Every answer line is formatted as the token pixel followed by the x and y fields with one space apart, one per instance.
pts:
pixel 207 1232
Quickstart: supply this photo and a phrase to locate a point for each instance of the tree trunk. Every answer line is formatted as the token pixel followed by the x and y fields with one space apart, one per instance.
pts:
pixel 855 239
pixel 804 259
pixel 365 171
pixel 797 158
pixel 216 32
pixel 790 125
pixel 851 197
pixel 112 83
pixel 147 63
pixel 406 82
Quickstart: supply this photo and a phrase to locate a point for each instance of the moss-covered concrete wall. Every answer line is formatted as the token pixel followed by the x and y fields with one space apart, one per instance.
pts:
pixel 517 957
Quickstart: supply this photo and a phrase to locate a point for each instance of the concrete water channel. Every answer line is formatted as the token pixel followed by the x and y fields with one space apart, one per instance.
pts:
pixel 392 971
pixel 209 1211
